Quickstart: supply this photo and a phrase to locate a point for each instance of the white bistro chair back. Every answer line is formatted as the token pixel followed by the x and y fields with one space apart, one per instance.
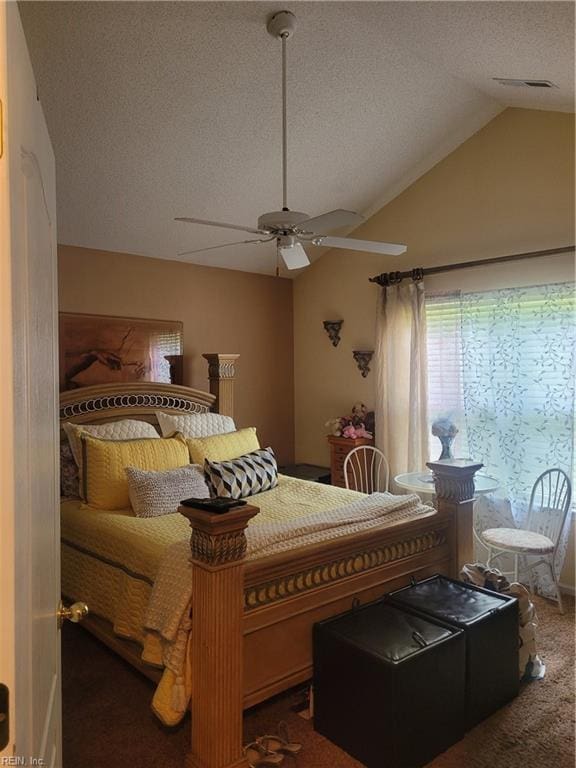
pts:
pixel 547 512
pixel 549 504
pixel 366 469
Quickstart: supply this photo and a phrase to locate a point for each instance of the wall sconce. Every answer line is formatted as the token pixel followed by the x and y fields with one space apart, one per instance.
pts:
pixel 332 328
pixel 363 362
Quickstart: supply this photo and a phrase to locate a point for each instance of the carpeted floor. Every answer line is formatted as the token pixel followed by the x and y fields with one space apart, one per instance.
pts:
pixel 108 722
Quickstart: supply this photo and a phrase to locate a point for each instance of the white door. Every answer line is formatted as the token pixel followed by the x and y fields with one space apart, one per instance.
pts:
pixel 29 519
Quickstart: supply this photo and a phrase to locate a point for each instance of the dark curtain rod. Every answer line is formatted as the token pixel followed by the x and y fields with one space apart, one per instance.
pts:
pixel 390 278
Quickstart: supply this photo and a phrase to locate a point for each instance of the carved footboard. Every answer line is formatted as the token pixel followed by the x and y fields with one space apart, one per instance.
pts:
pixel 252 621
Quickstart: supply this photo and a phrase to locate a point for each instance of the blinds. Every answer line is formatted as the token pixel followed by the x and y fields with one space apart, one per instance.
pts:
pixel 164 342
pixel 445 381
pixel 501 363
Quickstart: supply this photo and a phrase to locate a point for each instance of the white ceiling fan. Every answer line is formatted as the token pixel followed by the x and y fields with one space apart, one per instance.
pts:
pixel 293 229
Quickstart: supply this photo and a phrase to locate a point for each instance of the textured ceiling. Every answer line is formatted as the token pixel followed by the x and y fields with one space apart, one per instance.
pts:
pixel 161 109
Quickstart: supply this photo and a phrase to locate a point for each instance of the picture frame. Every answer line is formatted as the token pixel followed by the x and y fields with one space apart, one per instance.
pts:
pixel 105 349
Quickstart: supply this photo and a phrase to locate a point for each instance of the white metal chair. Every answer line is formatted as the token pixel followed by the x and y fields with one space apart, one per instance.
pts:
pixel 366 469
pixel 547 512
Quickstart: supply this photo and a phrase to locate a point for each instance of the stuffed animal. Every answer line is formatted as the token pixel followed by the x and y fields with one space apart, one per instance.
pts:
pixel 353 426
pixel 359 413
pixel 334 427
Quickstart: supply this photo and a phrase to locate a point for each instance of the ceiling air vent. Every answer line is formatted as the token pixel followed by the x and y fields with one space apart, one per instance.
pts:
pixel 525 83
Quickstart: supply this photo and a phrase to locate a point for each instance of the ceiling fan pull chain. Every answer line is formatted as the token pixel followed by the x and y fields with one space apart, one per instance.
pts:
pixel 277 261
pixel 284 38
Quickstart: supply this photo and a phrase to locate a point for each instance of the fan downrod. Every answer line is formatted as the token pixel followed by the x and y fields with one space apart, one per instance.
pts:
pixel 282 24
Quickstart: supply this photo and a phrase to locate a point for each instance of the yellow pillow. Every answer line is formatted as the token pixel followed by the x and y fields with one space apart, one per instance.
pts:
pixel 104 482
pixel 223 447
pixel 124 429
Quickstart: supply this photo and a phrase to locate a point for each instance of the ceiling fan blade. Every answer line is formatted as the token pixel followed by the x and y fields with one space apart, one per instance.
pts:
pixel 351 244
pixel 331 220
pixel 220 224
pixel 224 245
pixel 295 257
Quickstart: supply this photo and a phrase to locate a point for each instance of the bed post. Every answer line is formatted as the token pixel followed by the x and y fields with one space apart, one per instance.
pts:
pixel 221 374
pixel 218 545
pixel 454 481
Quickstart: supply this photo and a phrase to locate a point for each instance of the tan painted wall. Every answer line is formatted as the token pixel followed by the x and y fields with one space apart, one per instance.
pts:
pixel 222 311
pixel 509 188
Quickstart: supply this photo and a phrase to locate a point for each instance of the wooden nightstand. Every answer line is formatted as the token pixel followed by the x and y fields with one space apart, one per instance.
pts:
pixel 340 447
pixel 307 472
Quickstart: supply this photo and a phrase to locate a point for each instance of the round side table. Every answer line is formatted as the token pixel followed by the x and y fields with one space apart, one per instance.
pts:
pixel 422 483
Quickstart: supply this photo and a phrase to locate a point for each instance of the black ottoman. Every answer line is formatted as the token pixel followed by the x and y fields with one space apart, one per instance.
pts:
pixel 389 685
pixel 490 622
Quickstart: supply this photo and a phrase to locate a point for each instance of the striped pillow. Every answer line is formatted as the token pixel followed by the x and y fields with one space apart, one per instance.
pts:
pixel 245 476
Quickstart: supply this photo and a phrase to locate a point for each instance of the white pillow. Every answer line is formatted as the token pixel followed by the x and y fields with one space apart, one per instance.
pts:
pixel 127 429
pixel 159 493
pixel 195 424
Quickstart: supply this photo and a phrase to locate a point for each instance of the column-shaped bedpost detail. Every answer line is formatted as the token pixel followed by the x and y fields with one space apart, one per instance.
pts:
pixel 221 372
pixel 218 545
pixel 454 481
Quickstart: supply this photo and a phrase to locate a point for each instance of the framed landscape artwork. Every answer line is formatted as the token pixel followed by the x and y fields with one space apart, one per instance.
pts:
pixel 98 349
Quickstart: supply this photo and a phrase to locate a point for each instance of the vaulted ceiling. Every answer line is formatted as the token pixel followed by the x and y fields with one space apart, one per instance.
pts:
pixel 161 109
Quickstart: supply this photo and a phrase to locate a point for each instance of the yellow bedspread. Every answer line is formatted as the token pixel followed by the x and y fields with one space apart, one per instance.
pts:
pixel 135 545
pixel 110 559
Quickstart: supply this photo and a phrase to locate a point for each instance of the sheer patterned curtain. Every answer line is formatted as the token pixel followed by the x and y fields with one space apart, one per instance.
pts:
pixel 401 382
pixel 503 362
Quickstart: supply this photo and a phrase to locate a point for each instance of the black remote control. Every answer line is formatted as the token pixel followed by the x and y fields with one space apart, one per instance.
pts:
pixel 214 505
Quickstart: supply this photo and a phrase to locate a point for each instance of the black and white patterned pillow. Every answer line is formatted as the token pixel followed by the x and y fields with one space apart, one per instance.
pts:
pixel 249 474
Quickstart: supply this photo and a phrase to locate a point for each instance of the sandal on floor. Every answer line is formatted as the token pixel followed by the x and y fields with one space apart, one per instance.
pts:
pixel 258 755
pixel 280 743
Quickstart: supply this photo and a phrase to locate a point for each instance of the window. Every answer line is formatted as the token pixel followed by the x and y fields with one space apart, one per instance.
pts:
pixel 501 364
pixel 445 375
pixel 163 344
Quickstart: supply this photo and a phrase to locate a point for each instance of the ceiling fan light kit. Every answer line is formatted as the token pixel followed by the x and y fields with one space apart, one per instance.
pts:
pixel 293 229
pixel 292 252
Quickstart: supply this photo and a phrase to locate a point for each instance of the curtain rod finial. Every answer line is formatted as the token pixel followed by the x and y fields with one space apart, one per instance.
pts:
pixel 381 280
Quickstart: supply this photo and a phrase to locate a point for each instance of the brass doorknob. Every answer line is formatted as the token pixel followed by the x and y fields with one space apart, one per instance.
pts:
pixel 75 612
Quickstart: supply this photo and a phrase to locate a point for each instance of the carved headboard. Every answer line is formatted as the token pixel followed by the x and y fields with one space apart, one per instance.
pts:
pixel 140 400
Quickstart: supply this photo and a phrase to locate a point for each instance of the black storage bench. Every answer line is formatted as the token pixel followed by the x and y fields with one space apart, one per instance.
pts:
pixel 490 622
pixel 389 685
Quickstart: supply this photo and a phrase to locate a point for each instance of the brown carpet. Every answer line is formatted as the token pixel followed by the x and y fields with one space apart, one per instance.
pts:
pixel 108 722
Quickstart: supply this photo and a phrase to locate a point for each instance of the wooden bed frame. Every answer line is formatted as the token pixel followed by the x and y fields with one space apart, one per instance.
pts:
pixel 252 620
